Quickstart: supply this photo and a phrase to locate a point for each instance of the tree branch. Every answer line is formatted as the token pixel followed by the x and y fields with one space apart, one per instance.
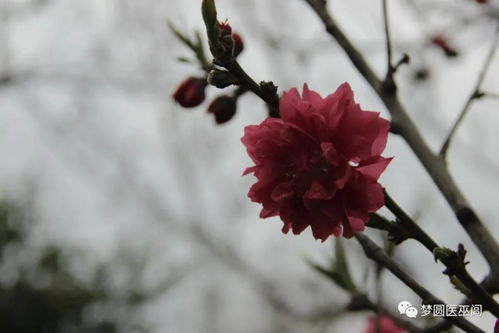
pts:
pixel 378 255
pixel 389 68
pixel 403 125
pixel 455 265
pixel 476 94
pixel 272 100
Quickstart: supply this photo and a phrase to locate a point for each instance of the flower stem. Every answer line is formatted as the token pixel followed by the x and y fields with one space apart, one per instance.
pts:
pixel 272 100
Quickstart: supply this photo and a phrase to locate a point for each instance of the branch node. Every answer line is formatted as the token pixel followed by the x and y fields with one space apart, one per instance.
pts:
pixel 478 94
pixel 395 128
pixel 388 86
pixel 405 60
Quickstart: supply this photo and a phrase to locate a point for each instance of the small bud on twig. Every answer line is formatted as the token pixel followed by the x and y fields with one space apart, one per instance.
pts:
pixel 222 79
pixel 442 43
pixel 191 92
pixel 269 89
pixel 223 108
pixel 238 44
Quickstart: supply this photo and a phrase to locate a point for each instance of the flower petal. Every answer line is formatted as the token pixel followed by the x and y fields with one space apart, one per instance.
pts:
pixel 311 96
pixel 250 170
pixel 374 167
pixel 330 153
pixel 319 164
pixel 319 192
pixel 282 191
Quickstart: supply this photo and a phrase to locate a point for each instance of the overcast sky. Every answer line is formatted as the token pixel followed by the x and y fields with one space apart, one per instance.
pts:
pixel 89 131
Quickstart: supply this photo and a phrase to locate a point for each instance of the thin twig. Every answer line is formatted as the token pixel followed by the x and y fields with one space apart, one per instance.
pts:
pixel 389 68
pixel 272 100
pixel 378 255
pixel 442 326
pixel 476 93
pixel 388 84
pixel 433 163
pixel 152 202
pixel 490 95
pixel 226 254
pixel 455 265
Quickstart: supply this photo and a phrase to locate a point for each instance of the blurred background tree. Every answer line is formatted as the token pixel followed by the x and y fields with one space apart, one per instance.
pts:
pixel 45 296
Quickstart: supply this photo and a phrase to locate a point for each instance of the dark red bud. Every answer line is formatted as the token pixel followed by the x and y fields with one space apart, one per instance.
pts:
pixel 225 43
pixel 496 328
pixel 231 44
pixel 191 92
pixel 481 2
pixel 223 108
pixel 238 44
pixel 422 74
pixel 441 42
pixel 225 27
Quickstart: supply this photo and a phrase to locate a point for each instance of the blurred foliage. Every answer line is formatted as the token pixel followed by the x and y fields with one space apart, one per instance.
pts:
pixel 58 302
pixel 338 271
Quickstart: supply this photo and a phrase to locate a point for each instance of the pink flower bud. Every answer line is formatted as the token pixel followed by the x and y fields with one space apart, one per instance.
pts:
pixel 382 324
pixel 238 44
pixel 190 93
pixel 224 108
